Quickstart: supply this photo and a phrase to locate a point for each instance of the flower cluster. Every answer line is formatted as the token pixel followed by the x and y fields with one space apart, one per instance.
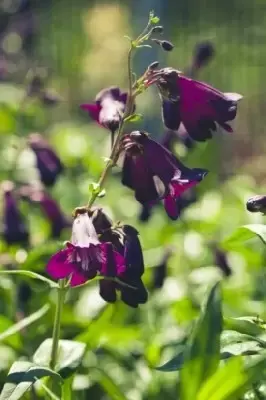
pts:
pixel 191 111
pixel 99 248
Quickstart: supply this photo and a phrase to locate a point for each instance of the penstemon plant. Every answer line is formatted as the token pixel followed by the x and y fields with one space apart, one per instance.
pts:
pixel 110 252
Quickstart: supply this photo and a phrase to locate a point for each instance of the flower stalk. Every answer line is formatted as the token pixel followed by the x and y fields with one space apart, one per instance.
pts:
pixel 57 321
pixel 115 148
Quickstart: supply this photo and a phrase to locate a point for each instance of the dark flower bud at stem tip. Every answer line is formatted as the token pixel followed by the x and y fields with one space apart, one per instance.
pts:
pixel 157 29
pixel 257 204
pixel 153 65
pixel 167 46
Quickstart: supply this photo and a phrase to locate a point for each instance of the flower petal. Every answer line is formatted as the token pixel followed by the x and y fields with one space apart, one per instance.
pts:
pixel 133 253
pixel 171 207
pixel 78 279
pixel 92 109
pixel 108 290
pixel 137 175
pixel 58 267
pixel 171 115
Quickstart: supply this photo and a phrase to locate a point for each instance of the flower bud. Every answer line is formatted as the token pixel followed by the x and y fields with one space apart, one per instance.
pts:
pixel 165 44
pixel 157 29
pixel 153 65
pixel 257 204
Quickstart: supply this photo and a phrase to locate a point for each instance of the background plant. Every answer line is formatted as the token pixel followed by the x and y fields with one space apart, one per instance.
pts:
pixel 124 347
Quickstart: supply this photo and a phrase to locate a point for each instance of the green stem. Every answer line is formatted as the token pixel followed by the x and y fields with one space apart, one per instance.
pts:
pixel 57 322
pixel 115 149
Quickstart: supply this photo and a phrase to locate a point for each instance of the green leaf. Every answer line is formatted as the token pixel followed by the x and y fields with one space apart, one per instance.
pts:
pixel 134 117
pixel 202 352
pixel 70 354
pixel 102 193
pixel 244 233
pixel 247 325
pixel 21 377
pixel 232 380
pixel 174 364
pixel 30 274
pixel 110 387
pixel 24 322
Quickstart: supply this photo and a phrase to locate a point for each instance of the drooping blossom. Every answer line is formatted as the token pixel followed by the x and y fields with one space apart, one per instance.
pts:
pixel 84 256
pixel 160 270
pixel 14 229
pixel 197 105
pixel 202 55
pixel 221 260
pixel 52 211
pixel 48 163
pixel 125 241
pixel 154 173
pixel 108 108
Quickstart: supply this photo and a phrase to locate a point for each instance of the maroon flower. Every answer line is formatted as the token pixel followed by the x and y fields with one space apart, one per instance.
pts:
pixel 126 242
pixel 154 173
pixel 51 209
pixel 108 108
pixel 14 228
pixel 48 163
pixel 197 105
pixel 85 257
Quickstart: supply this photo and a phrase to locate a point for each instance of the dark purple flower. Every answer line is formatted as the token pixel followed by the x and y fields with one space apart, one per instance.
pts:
pixel 125 241
pixel 160 270
pixel 85 257
pixel 154 173
pixel 51 209
pixel 14 228
pixel 203 53
pixel 197 105
pixel 221 261
pixel 257 204
pixel 48 163
pixel 108 108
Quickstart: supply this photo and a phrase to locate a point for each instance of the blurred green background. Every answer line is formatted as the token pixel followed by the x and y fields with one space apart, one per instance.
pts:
pixel 80 46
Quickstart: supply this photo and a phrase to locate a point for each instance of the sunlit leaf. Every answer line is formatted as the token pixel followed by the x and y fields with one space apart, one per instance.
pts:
pixel 245 325
pixel 232 380
pixel 21 377
pixel 24 323
pixel 244 233
pixel 202 352
pixel 70 354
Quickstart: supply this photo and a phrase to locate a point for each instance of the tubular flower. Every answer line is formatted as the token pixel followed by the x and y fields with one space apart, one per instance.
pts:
pixel 14 228
pixel 47 161
pixel 52 210
pixel 198 106
pixel 154 173
pixel 84 256
pixel 108 108
pixel 125 241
